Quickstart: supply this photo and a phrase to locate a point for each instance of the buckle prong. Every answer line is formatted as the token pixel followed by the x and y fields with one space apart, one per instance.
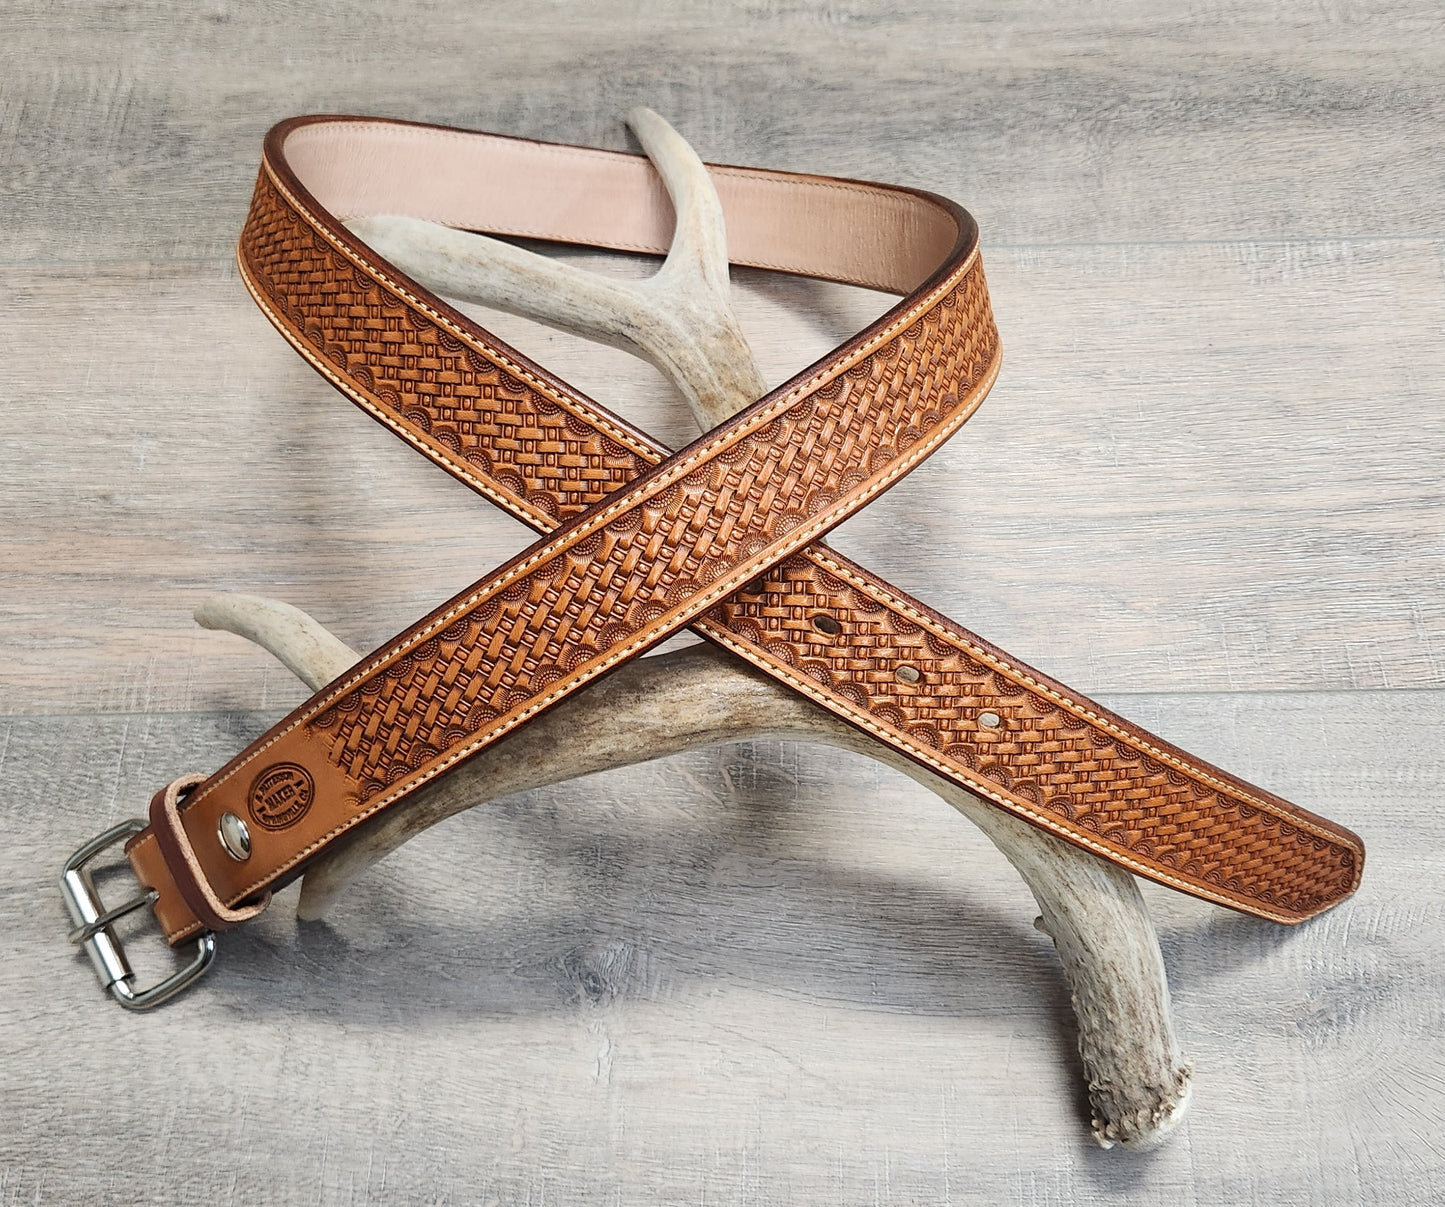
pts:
pixel 93 927
pixel 81 933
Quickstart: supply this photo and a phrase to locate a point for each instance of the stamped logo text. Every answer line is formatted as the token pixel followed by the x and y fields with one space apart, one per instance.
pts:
pixel 281 795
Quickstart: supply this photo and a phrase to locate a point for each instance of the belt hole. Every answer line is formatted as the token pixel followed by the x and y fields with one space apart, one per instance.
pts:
pixel 908 674
pixel 826 624
pixel 990 720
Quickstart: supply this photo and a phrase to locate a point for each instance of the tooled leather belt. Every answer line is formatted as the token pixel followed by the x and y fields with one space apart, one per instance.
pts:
pixel 638 543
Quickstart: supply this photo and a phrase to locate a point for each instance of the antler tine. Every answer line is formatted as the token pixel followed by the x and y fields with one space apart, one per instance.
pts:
pixel 681 318
pixel 1139 1080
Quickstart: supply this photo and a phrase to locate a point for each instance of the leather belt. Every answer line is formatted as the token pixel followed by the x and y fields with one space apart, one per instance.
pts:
pixel 638 543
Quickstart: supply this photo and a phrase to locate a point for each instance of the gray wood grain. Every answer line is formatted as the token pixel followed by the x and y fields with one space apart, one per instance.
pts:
pixel 1207 487
pixel 1135 122
pixel 761 974
pixel 1226 500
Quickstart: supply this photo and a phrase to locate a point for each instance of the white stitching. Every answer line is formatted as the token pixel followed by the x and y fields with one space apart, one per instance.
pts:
pixel 496 356
pixel 481 485
pixel 732 434
pixel 745 571
pixel 797 540
pixel 893 737
pixel 1072 705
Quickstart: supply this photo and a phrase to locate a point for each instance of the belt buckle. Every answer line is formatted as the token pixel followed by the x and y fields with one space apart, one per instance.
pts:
pixel 94 928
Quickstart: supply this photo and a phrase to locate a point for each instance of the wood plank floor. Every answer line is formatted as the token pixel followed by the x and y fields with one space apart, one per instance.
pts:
pixel 1207 489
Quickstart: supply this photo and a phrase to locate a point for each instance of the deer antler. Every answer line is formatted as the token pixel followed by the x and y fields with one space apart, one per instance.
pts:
pixel 682 320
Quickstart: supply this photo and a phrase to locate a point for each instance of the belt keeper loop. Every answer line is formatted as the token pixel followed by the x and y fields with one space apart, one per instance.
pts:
pixel 185 869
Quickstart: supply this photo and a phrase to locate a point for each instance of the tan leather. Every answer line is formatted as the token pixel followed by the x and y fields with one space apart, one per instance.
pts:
pixel 721 535
pixel 844 230
pixel 174 844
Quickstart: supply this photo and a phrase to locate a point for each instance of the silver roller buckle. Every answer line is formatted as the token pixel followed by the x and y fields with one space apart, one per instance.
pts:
pixel 94 928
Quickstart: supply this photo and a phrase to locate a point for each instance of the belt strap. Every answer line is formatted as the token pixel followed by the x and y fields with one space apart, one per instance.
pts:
pixel 638 543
